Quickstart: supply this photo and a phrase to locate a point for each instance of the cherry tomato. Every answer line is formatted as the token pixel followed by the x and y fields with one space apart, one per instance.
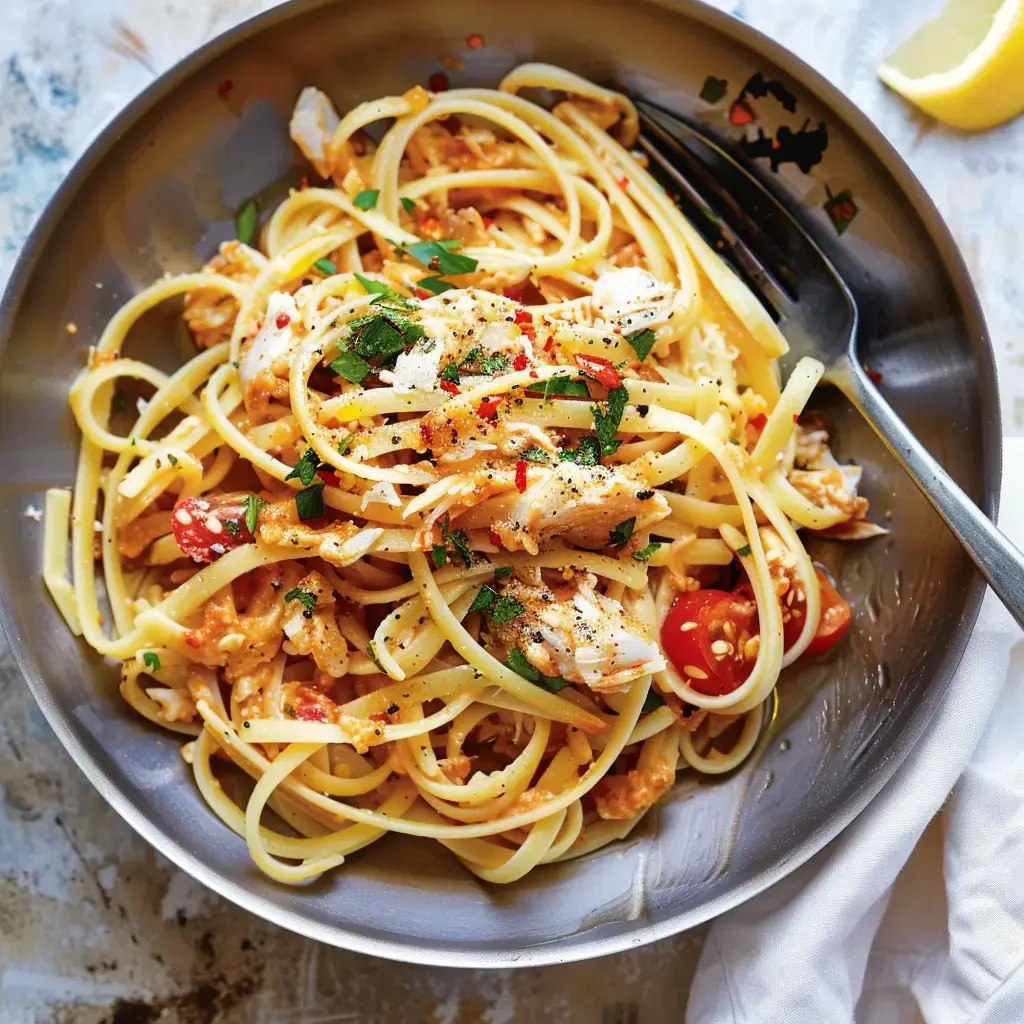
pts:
pixel 684 638
pixel 600 369
pixel 726 626
pixel 835 617
pixel 206 528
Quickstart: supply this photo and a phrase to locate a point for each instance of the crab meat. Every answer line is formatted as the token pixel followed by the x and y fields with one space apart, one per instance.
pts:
pixel 263 368
pixel 313 122
pixel 632 298
pixel 621 797
pixel 339 543
pixel 582 505
pixel 210 315
pixel 569 630
pixel 313 632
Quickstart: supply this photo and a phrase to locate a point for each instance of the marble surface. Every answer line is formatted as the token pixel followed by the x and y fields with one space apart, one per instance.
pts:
pixel 96 927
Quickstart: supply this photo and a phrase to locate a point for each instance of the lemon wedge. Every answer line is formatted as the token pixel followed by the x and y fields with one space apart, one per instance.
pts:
pixel 966 67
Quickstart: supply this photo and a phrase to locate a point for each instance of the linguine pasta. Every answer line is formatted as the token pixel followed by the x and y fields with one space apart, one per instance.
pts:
pixel 411 540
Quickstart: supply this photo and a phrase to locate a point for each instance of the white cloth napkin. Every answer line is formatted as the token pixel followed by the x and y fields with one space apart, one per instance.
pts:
pixel 893 924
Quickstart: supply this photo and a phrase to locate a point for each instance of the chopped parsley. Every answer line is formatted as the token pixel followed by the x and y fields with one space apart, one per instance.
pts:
pixel 253 504
pixel 622 532
pixel 246 221
pixel 587 454
pixel 231 525
pixel 438 256
pixel 440 556
pixel 371 653
pixel 484 599
pixel 743 551
pixel 344 444
pixel 326 266
pixel 573 387
pixel 642 342
pixel 642 556
pixel 309 502
pixel 497 363
pixel 172 459
pixel 437 285
pixel 451 374
pixel 535 454
pixel 518 663
pixel 505 610
pixel 350 366
pixel 305 598
pixel 306 469
pixel 652 701
pixel 151 660
pixel 607 423
pixel 458 540
pixel 382 293
pixel 381 337
pixel 502 571
pixel 407 204
pixel 367 199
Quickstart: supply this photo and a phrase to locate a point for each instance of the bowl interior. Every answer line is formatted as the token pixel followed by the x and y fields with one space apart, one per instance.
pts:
pixel 156 193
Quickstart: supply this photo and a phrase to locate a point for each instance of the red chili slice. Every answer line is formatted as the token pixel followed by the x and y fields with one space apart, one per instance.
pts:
pixel 206 528
pixel 519 363
pixel 447 385
pixel 427 434
pixel 521 476
pixel 600 369
pixel 495 539
pixel 282 321
pixel 758 422
pixel 488 408
pixel 421 293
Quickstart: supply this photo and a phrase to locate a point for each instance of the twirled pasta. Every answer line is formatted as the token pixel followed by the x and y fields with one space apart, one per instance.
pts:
pixel 459 433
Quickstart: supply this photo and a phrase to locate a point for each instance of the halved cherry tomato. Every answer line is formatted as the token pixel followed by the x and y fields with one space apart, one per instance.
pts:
pixel 726 627
pixel 600 369
pixel 693 623
pixel 834 622
pixel 206 528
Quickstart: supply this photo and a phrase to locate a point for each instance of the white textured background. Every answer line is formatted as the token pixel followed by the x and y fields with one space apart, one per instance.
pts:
pixel 93 925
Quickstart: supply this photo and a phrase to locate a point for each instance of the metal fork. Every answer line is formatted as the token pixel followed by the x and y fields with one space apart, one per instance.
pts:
pixel 778 259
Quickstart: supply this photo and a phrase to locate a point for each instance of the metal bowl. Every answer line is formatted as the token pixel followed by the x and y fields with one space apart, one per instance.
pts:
pixel 154 193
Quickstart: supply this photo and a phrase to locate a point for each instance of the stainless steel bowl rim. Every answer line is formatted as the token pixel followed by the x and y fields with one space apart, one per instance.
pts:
pixel 543 953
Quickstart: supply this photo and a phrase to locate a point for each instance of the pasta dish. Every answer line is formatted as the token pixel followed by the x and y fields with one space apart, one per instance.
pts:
pixel 474 514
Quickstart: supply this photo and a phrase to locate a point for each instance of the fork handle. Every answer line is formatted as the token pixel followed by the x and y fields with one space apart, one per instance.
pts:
pixel 999 561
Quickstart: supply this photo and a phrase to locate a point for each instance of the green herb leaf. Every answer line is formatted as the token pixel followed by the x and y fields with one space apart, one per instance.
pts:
pixel 246 221
pixel 743 551
pixel 517 662
pixel 309 502
pixel 289 710
pixel 151 660
pixel 440 556
pixel 367 199
pixel 642 342
pixel 437 285
pixel 642 556
pixel 382 291
pixel 437 256
pixel 622 532
pixel 451 374
pixel 713 89
pixel 573 387
pixel 607 423
pixel 471 357
pixel 496 363
pixel 344 444
pixel 253 504
pixel 552 683
pixel 371 653
pixel 306 468
pixel 326 266
pixel 350 366
pixel 231 525
pixel 407 204
pixel 384 336
pixel 506 609
pixel 483 600
pixel 172 459
pixel 304 597
pixel 652 701
pixel 587 454
pixel 458 539
pixel 502 571
pixel 535 454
